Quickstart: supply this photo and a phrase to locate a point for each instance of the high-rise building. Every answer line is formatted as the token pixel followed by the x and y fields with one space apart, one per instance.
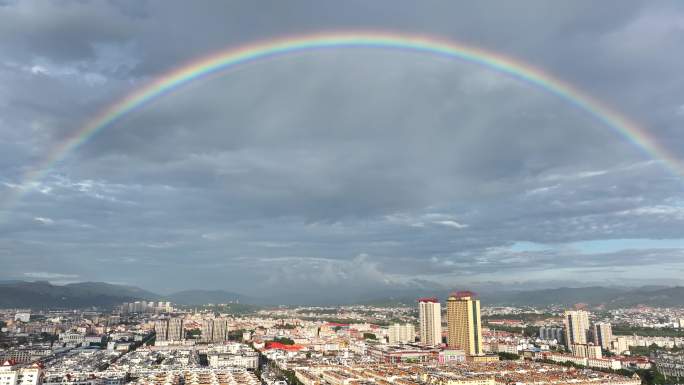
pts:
pixel 576 326
pixel 430 312
pixel 220 330
pixel 207 330
pixel 603 335
pixel 176 331
pixel 401 334
pixel 620 345
pixel 146 307
pixel 161 328
pixel 463 323
pixel 549 333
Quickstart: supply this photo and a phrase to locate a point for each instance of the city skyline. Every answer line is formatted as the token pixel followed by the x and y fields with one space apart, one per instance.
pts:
pixel 358 148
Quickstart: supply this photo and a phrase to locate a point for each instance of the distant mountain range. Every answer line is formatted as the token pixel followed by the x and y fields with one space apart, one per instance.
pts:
pixel 609 297
pixel 200 297
pixel 41 294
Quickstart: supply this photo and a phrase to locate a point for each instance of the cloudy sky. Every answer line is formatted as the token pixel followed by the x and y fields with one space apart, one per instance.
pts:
pixel 358 171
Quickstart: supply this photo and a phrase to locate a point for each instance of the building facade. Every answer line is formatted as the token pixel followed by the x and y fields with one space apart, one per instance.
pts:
pixel 549 333
pixel 603 335
pixel 401 334
pixel 430 313
pixel 176 330
pixel 463 322
pixel 161 328
pixel 576 326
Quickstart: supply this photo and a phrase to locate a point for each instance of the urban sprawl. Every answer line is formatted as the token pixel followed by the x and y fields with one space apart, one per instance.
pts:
pixel 455 342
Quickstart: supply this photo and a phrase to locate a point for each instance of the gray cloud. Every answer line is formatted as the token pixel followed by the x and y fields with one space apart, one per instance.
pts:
pixel 353 168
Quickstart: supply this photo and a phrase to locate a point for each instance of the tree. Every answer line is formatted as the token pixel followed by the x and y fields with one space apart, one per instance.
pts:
pixel 503 356
pixel 284 340
pixel 193 333
pixel 370 336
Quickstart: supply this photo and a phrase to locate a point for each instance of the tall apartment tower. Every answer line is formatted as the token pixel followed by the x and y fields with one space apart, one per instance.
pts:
pixel 552 333
pixel 576 326
pixel 161 328
pixel 603 335
pixel 463 322
pixel 207 330
pixel 430 312
pixel 176 331
pixel 220 330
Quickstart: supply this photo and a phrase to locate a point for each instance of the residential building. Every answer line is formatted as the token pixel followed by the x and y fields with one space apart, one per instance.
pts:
pixel 401 334
pixel 430 313
pixel 576 326
pixel 161 328
pixel 12 374
pixel 594 351
pixel 586 350
pixel 176 331
pixel 463 323
pixel 220 330
pixel 603 335
pixel 23 317
pixel 207 330
pixel 549 333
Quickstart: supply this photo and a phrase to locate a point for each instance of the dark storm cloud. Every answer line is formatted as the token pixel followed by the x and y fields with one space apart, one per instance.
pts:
pixel 319 172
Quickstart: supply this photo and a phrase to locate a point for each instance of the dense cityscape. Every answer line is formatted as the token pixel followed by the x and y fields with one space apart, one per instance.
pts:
pixel 458 341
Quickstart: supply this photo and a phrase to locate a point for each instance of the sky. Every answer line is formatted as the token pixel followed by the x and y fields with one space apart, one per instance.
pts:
pixel 341 172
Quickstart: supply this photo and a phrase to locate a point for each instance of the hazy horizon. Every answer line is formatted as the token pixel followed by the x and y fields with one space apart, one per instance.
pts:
pixel 355 170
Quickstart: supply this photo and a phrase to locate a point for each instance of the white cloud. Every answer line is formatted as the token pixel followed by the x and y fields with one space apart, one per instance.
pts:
pixel 450 223
pixel 36 69
pixel 676 212
pixel 44 220
pixel 49 275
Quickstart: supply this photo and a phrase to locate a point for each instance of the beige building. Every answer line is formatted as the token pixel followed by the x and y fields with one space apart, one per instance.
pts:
pixel 586 351
pixel 401 334
pixel 220 332
pixel 621 344
pixel 161 328
pixel 215 330
pixel 594 351
pixel 207 330
pixel 463 323
pixel 430 313
pixel 603 335
pixel 576 327
pixel 176 330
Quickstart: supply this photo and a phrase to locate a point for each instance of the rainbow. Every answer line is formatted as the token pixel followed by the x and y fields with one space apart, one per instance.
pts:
pixel 250 53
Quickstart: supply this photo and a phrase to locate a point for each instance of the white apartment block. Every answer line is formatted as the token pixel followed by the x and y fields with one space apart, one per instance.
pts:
pixel 401 334
pixel 430 313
